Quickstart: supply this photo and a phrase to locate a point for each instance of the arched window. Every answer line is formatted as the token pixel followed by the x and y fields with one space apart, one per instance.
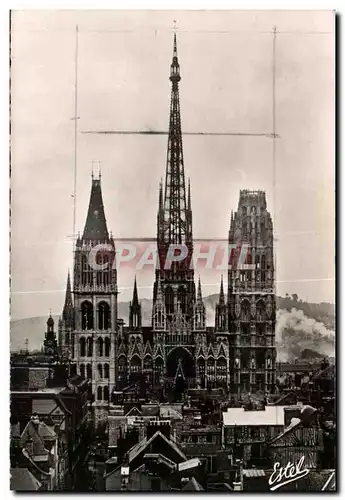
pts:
pixel 182 298
pixel 82 345
pixel 260 311
pixel 122 365
pixel 169 300
pixel 159 368
pixel 102 276
pixel 100 371
pixel 86 316
pixel 106 371
pixel 245 310
pixel 106 393
pixel 107 347
pixel 99 393
pixel 82 371
pixel 103 316
pixel 89 346
pixel 84 270
pixel 100 346
pixel 135 364
pixel 147 363
pixel 89 371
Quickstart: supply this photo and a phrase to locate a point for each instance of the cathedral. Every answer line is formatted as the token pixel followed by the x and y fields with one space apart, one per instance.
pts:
pixel 177 351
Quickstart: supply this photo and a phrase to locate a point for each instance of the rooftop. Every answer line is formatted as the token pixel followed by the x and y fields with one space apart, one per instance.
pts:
pixel 272 415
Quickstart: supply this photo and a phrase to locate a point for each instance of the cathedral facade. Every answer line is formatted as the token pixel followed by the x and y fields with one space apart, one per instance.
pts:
pixel 178 350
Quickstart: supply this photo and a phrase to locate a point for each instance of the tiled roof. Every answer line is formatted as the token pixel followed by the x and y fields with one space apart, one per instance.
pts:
pixel 23 480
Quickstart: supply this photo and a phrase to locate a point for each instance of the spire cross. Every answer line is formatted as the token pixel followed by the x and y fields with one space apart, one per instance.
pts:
pixel 92 163
pixel 99 168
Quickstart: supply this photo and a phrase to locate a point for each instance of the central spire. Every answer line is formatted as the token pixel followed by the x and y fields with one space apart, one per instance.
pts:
pixel 176 223
pixel 174 219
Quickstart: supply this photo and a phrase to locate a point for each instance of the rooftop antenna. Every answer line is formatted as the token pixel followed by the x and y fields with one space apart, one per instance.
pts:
pixel 75 118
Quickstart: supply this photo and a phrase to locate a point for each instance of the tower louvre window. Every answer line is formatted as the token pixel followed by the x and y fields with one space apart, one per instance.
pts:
pixel 86 315
pixel 107 346
pixel 89 346
pixel 82 345
pixel 100 346
pixel 103 316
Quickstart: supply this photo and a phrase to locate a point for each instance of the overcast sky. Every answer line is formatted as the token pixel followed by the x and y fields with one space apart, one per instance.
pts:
pixel 226 86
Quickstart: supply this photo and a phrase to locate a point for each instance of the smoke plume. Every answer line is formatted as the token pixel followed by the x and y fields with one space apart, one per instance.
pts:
pixel 295 332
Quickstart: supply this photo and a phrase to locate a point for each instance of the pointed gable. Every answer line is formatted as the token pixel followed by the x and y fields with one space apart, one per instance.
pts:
pixel 148 348
pixel 222 351
pixel 201 351
pixel 210 352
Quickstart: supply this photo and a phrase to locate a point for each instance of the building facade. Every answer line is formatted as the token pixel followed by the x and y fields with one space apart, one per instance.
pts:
pixel 177 351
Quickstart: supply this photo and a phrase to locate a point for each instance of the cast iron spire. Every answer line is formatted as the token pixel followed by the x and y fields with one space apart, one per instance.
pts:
pixel 176 224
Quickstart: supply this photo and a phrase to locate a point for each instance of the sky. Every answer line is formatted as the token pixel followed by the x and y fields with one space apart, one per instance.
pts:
pixel 226 60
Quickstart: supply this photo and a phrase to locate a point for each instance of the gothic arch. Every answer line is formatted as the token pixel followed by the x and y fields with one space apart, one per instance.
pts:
pixel 245 310
pixel 89 371
pixel 106 371
pixel 187 362
pixel 107 347
pixel 82 370
pixel 99 393
pixel 82 345
pixel 135 364
pixel 86 315
pixel 147 362
pixel 106 393
pixel 100 370
pixel 182 296
pixel 260 310
pixel 122 364
pixel 100 343
pixel 103 316
pixel 89 346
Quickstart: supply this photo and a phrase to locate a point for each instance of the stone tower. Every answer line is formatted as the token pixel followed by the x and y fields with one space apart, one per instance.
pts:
pixel 50 343
pixel 95 303
pixel 251 297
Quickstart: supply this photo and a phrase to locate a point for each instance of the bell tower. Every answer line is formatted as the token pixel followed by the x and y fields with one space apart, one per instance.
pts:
pixel 95 303
pixel 251 297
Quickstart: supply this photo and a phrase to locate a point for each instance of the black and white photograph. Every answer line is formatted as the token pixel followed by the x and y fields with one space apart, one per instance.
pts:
pixel 172 251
